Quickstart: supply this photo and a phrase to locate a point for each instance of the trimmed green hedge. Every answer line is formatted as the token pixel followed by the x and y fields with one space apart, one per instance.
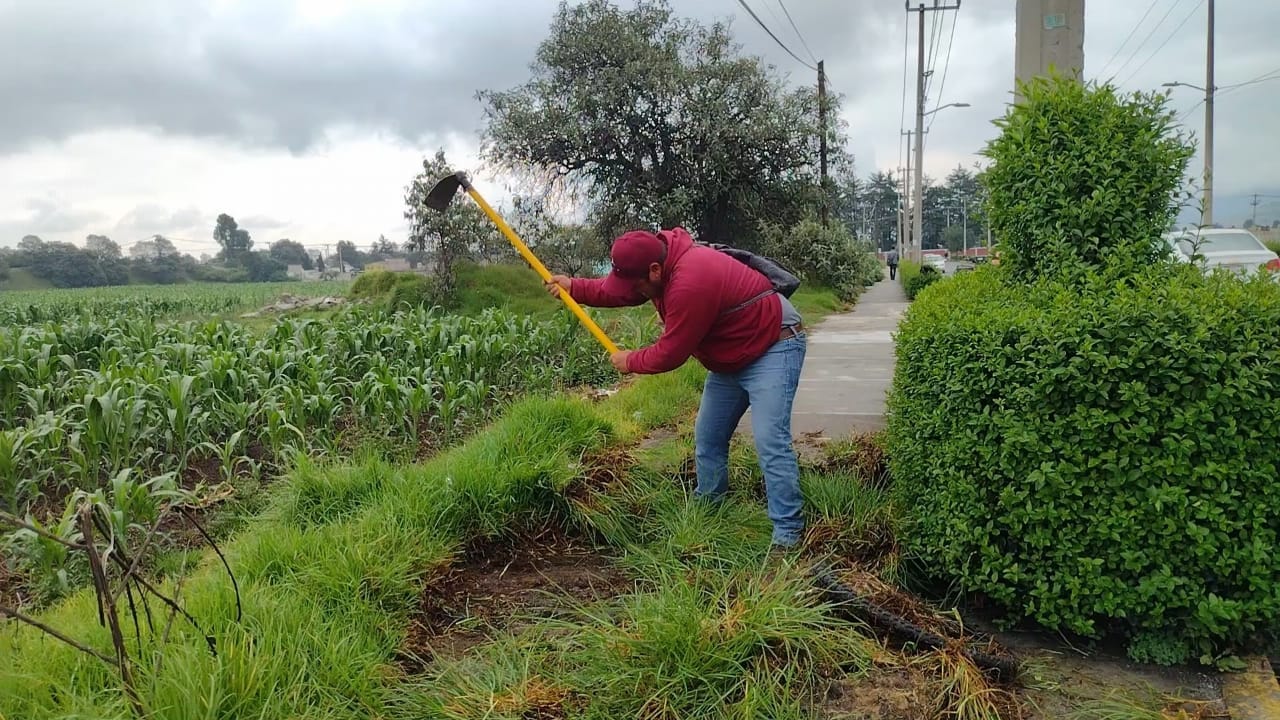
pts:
pixel 1101 458
pixel 916 277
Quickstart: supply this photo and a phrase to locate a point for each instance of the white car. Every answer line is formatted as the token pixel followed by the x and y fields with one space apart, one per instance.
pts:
pixel 938 262
pixel 1232 248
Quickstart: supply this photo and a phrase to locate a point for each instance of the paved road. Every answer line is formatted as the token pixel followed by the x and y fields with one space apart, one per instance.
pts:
pixel 848 367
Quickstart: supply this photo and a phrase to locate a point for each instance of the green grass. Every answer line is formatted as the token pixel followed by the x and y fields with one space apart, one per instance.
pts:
pixel 331 572
pixel 814 301
pixel 20 278
pixel 329 575
pixel 692 646
pixel 507 285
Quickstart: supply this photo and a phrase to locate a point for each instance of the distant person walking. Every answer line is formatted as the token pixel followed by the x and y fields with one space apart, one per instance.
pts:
pixel 893 264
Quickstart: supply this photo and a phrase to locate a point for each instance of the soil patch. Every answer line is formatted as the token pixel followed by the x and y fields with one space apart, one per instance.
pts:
pixel 496 585
pixel 900 692
pixel 601 469
pixel 861 454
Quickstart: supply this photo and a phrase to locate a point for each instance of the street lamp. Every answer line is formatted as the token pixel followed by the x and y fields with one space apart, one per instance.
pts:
pixel 944 107
pixel 918 225
pixel 1208 144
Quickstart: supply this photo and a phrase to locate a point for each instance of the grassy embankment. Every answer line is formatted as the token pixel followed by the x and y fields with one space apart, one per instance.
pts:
pixel 332 575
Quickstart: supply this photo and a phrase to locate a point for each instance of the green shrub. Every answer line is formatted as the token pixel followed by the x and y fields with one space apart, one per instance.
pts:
pixel 399 291
pixel 1272 245
pixel 412 290
pixel 372 284
pixel 1099 457
pixel 916 277
pixel 1083 177
pixel 825 255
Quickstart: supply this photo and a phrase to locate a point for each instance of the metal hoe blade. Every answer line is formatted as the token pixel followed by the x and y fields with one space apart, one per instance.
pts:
pixel 445 189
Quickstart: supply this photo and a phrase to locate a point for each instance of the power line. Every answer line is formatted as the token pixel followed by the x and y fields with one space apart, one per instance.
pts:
pixel 946 64
pixel 1273 75
pixel 1190 110
pixel 793 27
pixel 1132 32
pixel 1145 38
pixel 902 117
pixel 1166 42
pixel 781 44
pixel 935 38
pixel 1228 89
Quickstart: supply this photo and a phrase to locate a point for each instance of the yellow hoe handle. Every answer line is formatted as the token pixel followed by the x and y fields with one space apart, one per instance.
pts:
pixel 542 271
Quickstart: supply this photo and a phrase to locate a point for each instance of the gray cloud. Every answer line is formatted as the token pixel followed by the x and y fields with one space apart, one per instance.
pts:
pixel 262 223
pixel 151 219
pixel 50 215
pixel 258 74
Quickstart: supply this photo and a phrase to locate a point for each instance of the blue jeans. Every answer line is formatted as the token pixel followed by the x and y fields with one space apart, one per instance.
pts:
pixel 768 387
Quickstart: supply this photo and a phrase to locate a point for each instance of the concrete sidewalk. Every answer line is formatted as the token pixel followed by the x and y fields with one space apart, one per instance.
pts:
pixel 848 367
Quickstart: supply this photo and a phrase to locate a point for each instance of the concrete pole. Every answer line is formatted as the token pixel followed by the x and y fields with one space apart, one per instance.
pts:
pixel 1048 33
pixel 1208 124
pixel 917 237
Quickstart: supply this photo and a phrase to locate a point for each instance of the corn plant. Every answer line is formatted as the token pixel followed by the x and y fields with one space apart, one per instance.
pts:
pixel 44 557
pixel 228 453
pixel 15 484
pixel 129 502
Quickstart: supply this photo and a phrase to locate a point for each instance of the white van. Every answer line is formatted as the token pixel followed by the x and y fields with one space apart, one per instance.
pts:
pixel 1235 249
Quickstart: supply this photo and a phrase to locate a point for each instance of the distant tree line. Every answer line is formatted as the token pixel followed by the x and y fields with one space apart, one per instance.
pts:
pixel 156 260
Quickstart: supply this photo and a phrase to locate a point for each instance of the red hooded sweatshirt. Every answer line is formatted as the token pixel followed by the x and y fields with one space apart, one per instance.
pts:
pixel 701 287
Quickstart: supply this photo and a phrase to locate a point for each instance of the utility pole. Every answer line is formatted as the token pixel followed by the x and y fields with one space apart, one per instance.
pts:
pixel 901 182
pixel 1208 124
pixel 908 237
pixel 1209 91
pixel 1256 202
pixel 822 137
pixel 918 214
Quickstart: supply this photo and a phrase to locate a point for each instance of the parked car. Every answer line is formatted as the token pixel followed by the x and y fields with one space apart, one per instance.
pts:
pixel 938 262
pixel 1234 249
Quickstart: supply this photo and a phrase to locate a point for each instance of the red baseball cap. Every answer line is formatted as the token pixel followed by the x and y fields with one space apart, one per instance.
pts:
pixel 633 252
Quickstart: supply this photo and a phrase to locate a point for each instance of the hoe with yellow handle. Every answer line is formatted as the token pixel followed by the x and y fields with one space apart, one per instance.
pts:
pixel 443 193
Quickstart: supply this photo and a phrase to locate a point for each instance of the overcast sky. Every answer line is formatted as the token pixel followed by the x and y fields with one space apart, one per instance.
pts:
pixel 306 118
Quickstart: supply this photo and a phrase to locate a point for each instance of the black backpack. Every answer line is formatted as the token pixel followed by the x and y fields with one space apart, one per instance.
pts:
pixel 784 281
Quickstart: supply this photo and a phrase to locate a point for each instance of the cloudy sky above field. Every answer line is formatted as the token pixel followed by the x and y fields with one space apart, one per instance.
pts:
pixel 306 118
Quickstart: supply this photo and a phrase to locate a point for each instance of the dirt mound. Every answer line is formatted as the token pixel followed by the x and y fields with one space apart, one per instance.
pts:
pixel 495 585
pixel 899 692
pixel 289 303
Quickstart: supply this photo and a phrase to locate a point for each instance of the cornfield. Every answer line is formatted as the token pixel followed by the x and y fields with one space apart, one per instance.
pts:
pixel 84 401
pixel 159 301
